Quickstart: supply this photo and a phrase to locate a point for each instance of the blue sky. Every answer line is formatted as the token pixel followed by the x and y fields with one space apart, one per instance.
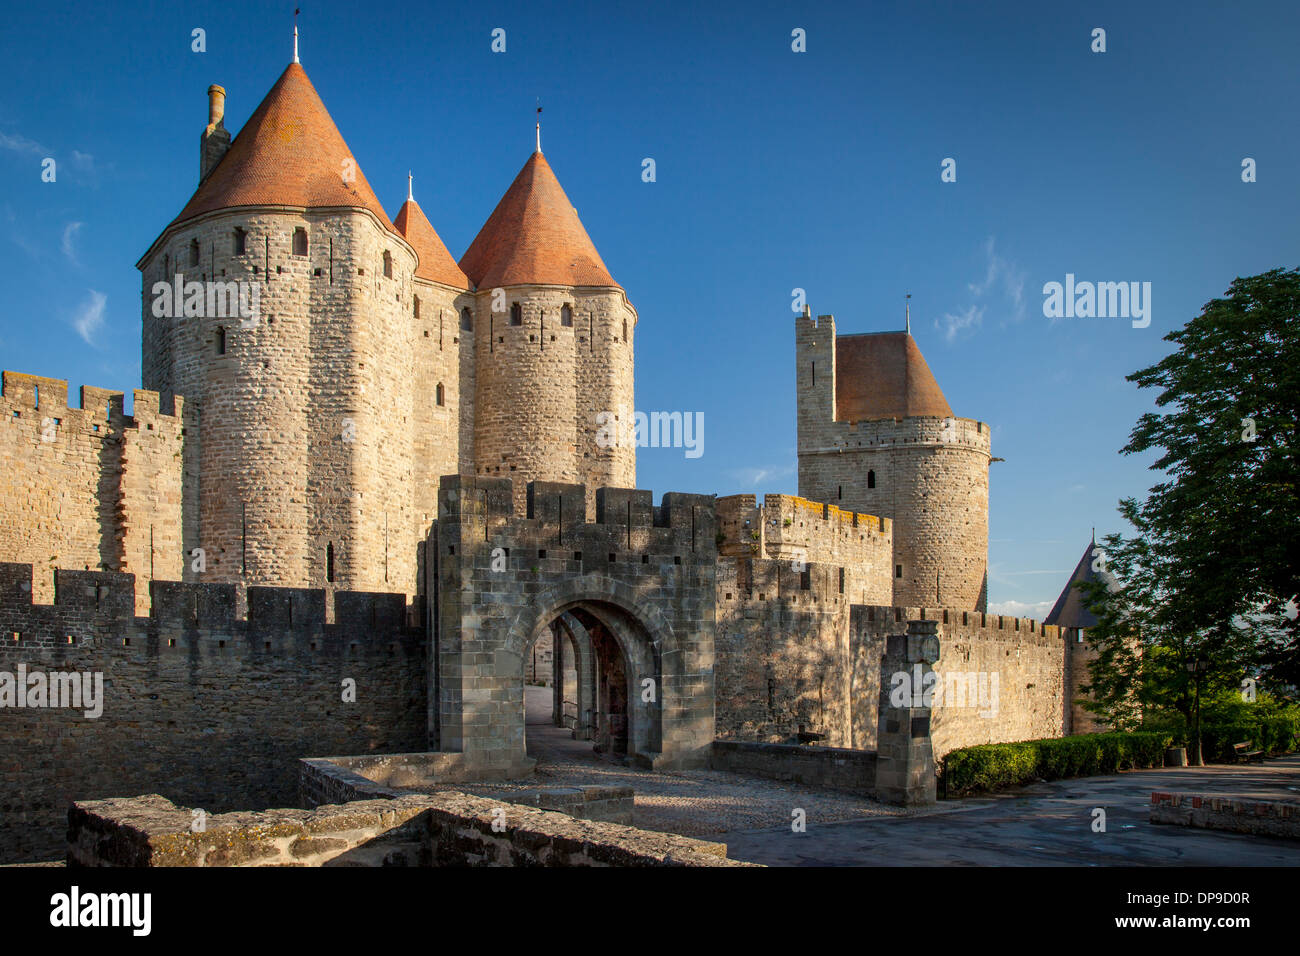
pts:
pixel 775 170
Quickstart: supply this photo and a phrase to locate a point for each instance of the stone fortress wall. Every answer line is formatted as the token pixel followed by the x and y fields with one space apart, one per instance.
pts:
pixel 90 487
pixel 199 704
pixel 794 656
pixel 643 572
pixel 803 608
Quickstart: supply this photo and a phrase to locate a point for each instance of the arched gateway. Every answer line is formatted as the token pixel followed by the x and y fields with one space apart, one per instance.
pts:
pixel 632 595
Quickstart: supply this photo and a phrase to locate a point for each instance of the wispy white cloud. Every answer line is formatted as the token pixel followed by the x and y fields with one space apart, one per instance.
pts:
pixel 1002 286
pixel 18 143
pixel 82 164
pixel 89 317
pixel 952 324
pixel 69 236
pixel 761 474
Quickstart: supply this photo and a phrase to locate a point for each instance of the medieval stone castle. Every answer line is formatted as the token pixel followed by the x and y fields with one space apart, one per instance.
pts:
pixel 392 470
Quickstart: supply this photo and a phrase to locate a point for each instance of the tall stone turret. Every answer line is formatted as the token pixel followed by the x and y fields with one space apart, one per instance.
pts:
pixel 442 309
pixel 302 472
pixel 876 435
pixel 552 344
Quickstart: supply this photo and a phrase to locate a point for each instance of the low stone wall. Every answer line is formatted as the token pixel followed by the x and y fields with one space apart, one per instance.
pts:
pixel 829 767
pixel 325 780
pixel 152 831
pixel 611 804
pixel 444 829
pixel 1275 818
pixel 333 780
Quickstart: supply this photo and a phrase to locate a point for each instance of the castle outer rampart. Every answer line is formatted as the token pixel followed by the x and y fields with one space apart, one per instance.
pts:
pixel 199 703
pixel 90 487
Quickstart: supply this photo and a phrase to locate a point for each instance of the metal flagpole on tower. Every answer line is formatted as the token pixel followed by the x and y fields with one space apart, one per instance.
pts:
pixel 539 124
pixel 908 327
pixel 295 34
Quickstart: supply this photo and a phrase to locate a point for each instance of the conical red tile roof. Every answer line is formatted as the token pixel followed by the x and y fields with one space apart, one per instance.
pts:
pixel 534 236
pixel 436 263
pixel 884 375
pixel 289 153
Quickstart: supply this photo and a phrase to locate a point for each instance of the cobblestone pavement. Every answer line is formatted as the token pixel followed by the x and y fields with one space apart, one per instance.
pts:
pixel 700 803
pixel 1048 824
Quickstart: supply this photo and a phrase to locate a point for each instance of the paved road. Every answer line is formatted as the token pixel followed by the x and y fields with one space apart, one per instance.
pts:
pixel 1048 824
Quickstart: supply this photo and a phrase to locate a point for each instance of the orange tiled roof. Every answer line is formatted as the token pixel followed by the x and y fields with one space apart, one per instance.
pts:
pixel 289 153
pixel 534 236
pixel 884 375
pixel 436 263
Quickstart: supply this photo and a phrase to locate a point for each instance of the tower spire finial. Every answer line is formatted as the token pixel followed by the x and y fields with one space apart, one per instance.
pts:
pixel 410 190
pixel 908 315
pixel 295 34
pixel 539 124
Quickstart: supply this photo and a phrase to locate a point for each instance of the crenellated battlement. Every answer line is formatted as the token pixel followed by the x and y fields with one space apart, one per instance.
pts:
pixel 894 434
pixel 21 394
pixel 750 583
pixel 798 532
pixel 787 524
pixel 999 627
pixel 626 519
pixel 90 603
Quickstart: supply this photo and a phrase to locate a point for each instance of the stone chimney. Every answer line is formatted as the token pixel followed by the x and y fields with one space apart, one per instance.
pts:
pixel 215 140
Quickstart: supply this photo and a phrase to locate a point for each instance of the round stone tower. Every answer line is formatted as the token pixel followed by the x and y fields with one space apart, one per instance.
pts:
pixel 443 411
pixel 876 435
pixel 552 345
pixel 304 465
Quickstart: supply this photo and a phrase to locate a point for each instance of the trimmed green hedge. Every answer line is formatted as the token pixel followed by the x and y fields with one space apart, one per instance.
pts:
pixel 995 766
pixel 1273 735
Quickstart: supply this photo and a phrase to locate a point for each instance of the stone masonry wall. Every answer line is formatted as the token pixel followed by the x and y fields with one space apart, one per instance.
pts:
pixel 793 654
pixel 443 352
pixel 444 829
pixel 198 704
pixel 798 530
pixel 306 470
pixel 782 653
pixel 90 487
pixel 646 573
pixel 1026 656
pixel 540 385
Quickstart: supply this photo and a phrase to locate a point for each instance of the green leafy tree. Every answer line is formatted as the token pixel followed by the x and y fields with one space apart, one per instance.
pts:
pixel 1213 568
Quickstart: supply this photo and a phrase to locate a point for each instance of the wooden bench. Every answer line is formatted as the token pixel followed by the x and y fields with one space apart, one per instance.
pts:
pixel 1242 751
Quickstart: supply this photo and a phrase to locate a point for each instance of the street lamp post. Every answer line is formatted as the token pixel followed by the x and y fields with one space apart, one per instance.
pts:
pixel 1196 668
